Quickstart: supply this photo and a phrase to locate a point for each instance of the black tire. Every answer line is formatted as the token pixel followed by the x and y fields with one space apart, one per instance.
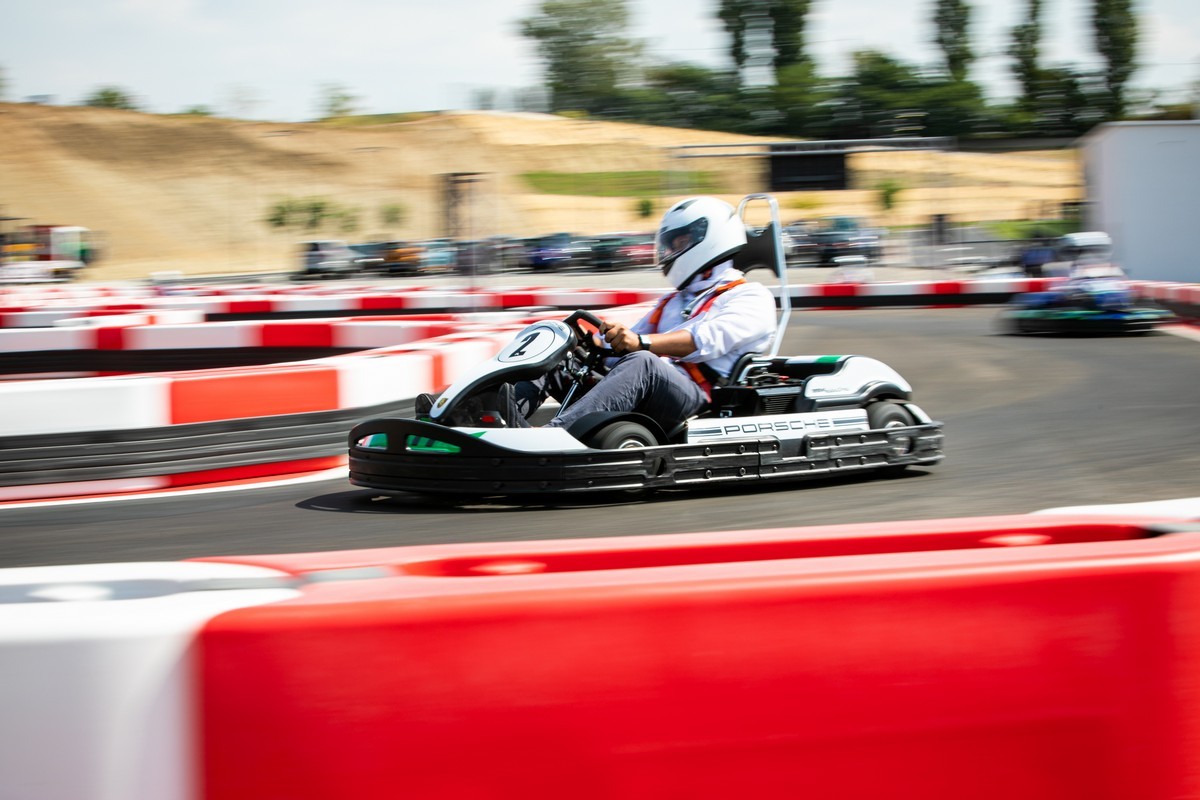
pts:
pixel 889 414
pixel 621 435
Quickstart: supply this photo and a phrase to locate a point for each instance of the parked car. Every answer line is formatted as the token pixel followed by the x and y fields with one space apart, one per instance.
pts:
pixel 392 258
pixel 799 245
pixel 437 255
pixel 610 251
pixel 639 250
pixel 473 257
pixel 328 258
pixel 838 237
pixel 556 251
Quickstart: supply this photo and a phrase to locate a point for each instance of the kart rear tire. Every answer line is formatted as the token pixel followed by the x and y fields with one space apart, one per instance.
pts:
pixel 620 436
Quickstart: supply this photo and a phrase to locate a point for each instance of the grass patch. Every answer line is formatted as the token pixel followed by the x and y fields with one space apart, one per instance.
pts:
pixel 649 183
pixel 369 120
pixel 1033 228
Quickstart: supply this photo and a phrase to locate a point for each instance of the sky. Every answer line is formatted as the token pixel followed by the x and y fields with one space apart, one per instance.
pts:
pixel 274 59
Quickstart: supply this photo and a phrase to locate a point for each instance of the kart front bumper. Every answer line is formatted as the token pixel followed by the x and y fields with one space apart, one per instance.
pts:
pixel 406 455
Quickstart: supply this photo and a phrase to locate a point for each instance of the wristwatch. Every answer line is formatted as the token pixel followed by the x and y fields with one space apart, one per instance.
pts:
pixel 643 341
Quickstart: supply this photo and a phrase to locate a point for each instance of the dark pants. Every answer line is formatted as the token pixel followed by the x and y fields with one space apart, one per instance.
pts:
pixel 638 381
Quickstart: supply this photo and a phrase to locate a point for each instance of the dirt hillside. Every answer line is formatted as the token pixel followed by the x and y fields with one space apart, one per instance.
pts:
pixel 190 193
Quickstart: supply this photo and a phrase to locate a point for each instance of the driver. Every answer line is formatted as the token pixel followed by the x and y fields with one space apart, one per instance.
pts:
pixel 666 363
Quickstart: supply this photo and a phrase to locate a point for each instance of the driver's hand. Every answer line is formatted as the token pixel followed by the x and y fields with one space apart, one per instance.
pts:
pixel 619 338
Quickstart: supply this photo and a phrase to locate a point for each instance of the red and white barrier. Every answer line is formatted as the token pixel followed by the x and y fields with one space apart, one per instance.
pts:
pixel 179 398
pixel 213 302
pixel 1038 657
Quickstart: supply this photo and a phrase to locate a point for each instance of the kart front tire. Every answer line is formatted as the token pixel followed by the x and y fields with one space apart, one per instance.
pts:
pixel 620 436
pixel 888 414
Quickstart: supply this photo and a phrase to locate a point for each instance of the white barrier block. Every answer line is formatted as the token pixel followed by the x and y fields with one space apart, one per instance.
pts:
pixel 84 404
pixel 369 335
pixel 105 321
pixel 371 380
pixel 37 319
pixel 21 340
pixel 318 303
pixel 206 334
pixel 99 694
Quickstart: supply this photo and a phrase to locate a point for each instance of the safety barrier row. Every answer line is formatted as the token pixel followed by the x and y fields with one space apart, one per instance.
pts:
pixel 279 304
pixel 1036 656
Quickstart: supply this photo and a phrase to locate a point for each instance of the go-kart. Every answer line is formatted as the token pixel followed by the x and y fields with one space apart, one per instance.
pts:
pixel 775 418
pixel 1094 305
pixel 1094 298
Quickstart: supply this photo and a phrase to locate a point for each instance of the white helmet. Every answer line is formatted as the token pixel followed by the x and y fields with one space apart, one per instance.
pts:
pixel 696 234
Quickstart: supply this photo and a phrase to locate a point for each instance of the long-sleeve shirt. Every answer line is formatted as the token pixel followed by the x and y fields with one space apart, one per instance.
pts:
pixel 740 320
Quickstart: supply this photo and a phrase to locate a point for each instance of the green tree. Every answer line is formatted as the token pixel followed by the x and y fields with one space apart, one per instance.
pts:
pixel 952 23
pixel 788 20
pixel 765 32
pixel 111 97
pixel 336 101
pixel 735 16
pixel 1025 50
pixel 803 98
pixel 587 54
pixel 1116 38
pixel 3 84
pixel 689 96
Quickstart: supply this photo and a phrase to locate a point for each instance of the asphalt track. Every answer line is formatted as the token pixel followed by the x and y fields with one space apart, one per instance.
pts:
pixel 1031 423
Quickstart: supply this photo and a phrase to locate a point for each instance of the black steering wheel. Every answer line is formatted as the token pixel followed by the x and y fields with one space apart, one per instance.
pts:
pixel 593 353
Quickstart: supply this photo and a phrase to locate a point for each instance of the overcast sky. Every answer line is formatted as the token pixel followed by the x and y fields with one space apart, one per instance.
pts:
pixel 269 59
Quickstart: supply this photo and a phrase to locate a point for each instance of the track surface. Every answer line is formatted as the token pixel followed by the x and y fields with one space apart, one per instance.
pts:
pixel 1031 423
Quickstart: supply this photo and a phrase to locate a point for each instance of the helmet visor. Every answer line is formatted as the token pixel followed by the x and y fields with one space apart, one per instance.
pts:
pixel 674 242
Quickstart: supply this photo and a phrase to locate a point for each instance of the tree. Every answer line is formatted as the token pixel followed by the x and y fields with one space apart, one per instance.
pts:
pixel 586 51
pixel 3 84
pixel 788 20
pixel 1116 32
pixel 1026 51
pixel 952 22
pixel 336 101
pixel 733 15
pixel 111 97
pixel 765 31
pixel 803 97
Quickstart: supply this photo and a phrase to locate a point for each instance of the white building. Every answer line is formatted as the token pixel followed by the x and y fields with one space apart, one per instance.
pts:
pixel 1143 188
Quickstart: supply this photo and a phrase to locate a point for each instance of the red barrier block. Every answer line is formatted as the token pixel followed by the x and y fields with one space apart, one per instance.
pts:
pixel 298 334
pixel 197 397
pixel 1008 657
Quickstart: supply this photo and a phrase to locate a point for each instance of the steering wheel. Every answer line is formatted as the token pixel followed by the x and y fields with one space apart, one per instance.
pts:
pixel 593 354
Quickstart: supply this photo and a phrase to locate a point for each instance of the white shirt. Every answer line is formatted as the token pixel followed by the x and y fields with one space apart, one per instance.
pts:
pixel 740 320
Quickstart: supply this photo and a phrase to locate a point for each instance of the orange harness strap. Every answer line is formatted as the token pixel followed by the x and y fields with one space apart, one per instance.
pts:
pixel 693 370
